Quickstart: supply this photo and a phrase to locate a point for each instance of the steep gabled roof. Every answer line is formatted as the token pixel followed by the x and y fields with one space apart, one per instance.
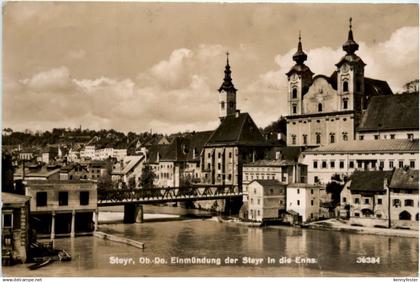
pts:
pixel 197 140
pixel 176 151
pixel 391 112
pixel 369 181
pixel 153 150
pixel 237 130
pixel 405 179
pixel 374 87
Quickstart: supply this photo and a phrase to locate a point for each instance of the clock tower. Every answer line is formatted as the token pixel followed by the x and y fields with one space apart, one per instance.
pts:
pixel 299 79
pixel 227 93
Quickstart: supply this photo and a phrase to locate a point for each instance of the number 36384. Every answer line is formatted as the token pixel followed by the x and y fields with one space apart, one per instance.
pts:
pixel 372 260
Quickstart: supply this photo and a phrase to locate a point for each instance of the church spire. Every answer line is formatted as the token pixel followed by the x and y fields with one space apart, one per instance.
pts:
pixel 227 84
pixel 350 46
pixel 299 57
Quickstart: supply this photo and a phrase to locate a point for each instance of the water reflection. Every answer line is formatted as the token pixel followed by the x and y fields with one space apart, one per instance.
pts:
pixel 336 252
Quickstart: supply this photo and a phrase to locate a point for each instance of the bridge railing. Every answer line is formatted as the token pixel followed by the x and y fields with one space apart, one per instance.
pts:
pixel 174 193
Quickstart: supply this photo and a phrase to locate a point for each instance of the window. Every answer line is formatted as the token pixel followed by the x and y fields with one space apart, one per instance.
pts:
pixel 376 137
pixel 361 137
pixel 392 136
pixel 7 220
pixel 379 201
pixel 219 155
pixel 63 198
pixel 312 202
pixel 366 201
pixel 356 214
pixel 219 166
pixel 381 165
pixel 400 164
pixel 252 201
pixel 332 138
pixel 319 107
pixel 294 139
pixel 409 203
pixel 41 199
pixel 345 86
pixel 324 164
pixel 316 179
pixel 298 202
pixel 332 164
pixel 391 164
pixel 208 166
pixel 345 103
pixel 298 191
pixel 341 164
pixel 351 164
pixel 345 137
pixel 84 198
pixel 318 138
pixel 305 139
pixel 410 136
pixel 294 93
pixel 222 104
pixel 258 201
pixel 344 200
pixel 356 201
pixel 294 109
pixel 412 164
pixel 378 215
pixel 312 191
pixel 230 155
pixel 315 164
pixel 396 203
pixel 230 177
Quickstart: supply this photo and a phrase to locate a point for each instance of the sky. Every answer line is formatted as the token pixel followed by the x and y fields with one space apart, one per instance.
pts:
pixel 149 66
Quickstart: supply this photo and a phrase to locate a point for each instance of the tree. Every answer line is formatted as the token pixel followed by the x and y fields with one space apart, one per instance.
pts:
pixel 147 177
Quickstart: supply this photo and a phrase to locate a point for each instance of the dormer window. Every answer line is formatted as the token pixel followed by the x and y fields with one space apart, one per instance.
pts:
pixel 345 86
pixel 294 93
pixel 319 107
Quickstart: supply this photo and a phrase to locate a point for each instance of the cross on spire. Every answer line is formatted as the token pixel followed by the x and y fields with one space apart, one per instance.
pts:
pixel 350 22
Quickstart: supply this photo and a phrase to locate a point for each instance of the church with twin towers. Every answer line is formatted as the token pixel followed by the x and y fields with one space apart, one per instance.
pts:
pixel 322 109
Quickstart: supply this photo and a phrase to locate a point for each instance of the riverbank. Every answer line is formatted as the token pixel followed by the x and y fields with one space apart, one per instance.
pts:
pixel 334 224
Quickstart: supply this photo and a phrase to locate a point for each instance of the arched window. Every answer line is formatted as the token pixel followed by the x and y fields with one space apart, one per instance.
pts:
pixel 294 93
pixel 319 107
pixel 405 215
pixel 294 139
pixel 294 109
pixel 223 105
pixel 345 136
pixel 345 86
pixel 345 103
pixel 318 138
pixel 332 138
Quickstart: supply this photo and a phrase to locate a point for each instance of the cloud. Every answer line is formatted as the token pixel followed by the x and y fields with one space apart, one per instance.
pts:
pixel 76 54
pixel 180 92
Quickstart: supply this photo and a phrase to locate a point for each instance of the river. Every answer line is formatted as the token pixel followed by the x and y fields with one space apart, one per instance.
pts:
pixel 331 253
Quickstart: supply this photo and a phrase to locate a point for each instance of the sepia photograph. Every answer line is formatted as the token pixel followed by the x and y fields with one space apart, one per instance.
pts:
pixel 209 139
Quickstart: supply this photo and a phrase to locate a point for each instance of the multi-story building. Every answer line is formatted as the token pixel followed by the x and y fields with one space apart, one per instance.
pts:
pixel 364 199
pixel 326 110
pixel 74 171
pixel 346 157
pixel 236 141
pixel 404 199
pixel 304 199
pixel 382 198
pixel 130 167
pixel 15 228
pixel 36 172
pixel 196 141
pixel 267 199
pixel 390 117
pixel 62 208
pixel 88 152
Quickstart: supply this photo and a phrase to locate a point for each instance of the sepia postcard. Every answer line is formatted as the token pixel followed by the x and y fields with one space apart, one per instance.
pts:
pixel 206 139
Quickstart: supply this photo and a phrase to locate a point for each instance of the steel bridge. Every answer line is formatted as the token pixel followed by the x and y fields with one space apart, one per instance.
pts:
pixel 109 197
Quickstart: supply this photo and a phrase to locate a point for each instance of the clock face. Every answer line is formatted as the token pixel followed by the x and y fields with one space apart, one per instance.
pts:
pixel 345 68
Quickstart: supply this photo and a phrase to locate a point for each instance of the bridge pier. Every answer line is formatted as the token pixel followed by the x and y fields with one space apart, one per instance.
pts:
pixel 133 213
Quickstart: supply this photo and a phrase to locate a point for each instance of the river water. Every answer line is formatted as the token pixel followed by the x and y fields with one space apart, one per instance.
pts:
pixel 330 253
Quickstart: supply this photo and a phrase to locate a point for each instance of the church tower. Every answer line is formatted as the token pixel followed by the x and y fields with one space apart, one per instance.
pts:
pixel 299 79
pixel 227 93
pixel 350 77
